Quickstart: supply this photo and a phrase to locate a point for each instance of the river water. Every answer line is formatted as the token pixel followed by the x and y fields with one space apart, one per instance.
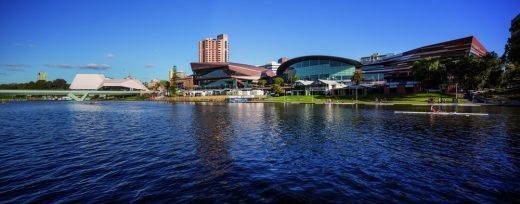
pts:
pixel 219 152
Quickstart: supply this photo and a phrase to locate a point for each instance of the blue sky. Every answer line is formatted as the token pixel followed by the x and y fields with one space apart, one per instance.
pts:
pixel 145 38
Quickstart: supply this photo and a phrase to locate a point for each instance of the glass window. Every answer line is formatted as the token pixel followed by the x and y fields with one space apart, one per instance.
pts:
pixel 216 73
pixel 324 61
pixel 314 62
pixel 305 63
pixel 335 63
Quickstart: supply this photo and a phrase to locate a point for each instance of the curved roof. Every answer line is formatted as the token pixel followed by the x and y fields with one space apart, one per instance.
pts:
pixel 87 81
pixel 292 61
pixel 247 70
pixel 96 81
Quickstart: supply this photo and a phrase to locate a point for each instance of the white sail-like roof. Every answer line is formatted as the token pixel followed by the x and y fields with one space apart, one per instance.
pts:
pixel 97 81
pixel 87 81
pixel 128 83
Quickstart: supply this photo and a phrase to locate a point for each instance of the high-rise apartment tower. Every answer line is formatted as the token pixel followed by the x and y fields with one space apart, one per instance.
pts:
pixel 214 50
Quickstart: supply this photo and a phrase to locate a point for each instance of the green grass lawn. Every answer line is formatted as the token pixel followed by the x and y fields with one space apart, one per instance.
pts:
pixel 394 98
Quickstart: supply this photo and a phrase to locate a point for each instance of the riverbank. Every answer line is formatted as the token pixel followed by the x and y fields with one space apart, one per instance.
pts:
pixel 383 100
pixel 421 98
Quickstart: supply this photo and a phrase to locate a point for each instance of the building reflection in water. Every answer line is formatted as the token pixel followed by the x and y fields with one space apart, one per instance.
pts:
pixel 212 131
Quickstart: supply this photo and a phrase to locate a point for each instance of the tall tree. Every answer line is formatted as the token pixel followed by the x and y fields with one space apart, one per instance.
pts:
pixel 357 77
pixel 492 66
pixel 430 72
pixel 262 82
pixel 277 89
pixel 165 84
pixel 511 61
pixel 278 80
pixel 173 81
pixel 59 84
pixel 512 75
pixel 293 79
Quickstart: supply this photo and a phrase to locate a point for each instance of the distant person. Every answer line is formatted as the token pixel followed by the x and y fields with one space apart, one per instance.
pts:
pixel 432 109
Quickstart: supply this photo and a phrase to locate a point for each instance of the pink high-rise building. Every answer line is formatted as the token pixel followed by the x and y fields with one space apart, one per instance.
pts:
pixel 214 50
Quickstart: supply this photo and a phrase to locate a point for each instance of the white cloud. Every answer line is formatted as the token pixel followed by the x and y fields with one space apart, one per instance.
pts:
pixel 62 66
pixel 14 67
pixel 94 66
pixel 110 55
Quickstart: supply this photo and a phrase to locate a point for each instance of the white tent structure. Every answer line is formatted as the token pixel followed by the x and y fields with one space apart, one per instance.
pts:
pixel 98 81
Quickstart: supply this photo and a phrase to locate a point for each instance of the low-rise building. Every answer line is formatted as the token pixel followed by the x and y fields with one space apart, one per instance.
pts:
pixel 227 75
pixel 373 58
pixel 153 83
pixel 100 82
pixel 395 71
pixel 271 65
pixel 319 87
pixel 318 67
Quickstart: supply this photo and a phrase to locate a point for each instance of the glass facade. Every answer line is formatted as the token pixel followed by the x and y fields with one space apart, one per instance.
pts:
pixel 374 77
pixel 216 73
pixel 313 70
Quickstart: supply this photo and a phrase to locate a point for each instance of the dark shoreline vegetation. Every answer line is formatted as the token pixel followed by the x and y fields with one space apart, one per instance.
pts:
pixel 57 84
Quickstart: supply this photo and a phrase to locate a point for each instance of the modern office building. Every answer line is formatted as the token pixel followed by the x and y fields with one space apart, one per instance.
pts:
pixel 395 71
pixel 214 50
pixel 282 60
pixel 43 76
pixel 227 75
pixel 373 58
pixel 271 65
pixel 316 67
pixel 100 82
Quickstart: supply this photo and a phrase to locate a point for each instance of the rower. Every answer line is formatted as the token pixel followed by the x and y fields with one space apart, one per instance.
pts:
pixel 432 109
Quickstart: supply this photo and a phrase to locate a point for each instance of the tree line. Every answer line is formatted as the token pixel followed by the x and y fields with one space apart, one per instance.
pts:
pixel 40 84
pixel 469 72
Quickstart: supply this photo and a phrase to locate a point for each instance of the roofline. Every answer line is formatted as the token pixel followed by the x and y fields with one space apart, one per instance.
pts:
pixel 292 61
pixel 471 39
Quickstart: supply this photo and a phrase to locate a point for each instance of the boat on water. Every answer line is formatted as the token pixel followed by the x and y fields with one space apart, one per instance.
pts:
pixel 238 100
pixel 440 113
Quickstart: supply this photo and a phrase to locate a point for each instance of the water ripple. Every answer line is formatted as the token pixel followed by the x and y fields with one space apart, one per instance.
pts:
pixel 218 152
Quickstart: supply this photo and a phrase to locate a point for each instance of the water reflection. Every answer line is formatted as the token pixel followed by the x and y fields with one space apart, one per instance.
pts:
pixel 213 132
pixel 219 152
